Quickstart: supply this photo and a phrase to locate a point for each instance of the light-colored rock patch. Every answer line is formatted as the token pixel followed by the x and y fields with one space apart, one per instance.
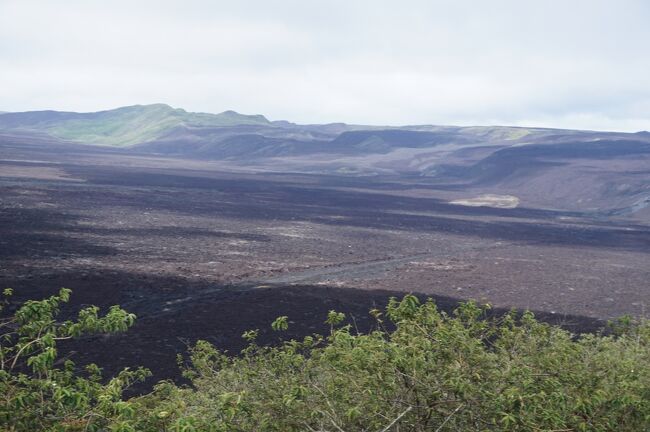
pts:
pixel 489 200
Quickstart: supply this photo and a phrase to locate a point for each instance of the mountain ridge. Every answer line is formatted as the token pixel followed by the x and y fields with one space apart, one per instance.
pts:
pixel 121 127
pixel 43 121
pixel 603 172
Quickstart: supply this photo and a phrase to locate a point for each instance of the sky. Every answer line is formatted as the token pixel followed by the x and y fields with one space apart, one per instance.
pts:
pixel 581 64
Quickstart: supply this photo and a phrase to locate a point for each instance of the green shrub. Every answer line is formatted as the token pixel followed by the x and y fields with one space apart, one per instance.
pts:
pixel 420 369
pixel 35 393
pixel 434 372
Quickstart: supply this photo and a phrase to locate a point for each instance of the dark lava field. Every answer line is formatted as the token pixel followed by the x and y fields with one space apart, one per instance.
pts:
pixel 198 251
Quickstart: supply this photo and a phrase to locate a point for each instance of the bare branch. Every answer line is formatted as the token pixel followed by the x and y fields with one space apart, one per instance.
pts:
pixel 397 419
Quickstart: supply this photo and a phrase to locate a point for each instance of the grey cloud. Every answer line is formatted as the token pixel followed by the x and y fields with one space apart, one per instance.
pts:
pixel 579 64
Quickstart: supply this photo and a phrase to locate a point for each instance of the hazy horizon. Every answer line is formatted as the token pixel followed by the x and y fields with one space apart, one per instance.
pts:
pixel 523 126
pixel 533 64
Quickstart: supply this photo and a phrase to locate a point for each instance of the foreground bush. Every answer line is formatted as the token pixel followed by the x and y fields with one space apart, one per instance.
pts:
pixel 434 372
pixel 39 392
pixel 420 370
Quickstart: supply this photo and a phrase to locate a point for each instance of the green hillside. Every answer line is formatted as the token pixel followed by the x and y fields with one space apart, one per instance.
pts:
pixel 123 126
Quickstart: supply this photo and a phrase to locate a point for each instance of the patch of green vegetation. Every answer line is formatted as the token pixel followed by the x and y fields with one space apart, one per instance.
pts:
pixel 499 133
pixel 420 369
pixel 120 127
pixel 40 392
pixel 135 124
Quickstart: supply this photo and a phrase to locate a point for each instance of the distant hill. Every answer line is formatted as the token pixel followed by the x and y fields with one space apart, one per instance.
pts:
pixel 606 173
pixel 120 127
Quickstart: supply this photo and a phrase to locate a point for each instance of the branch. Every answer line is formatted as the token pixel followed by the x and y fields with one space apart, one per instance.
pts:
pixel 449 416
pixel 396 419
pixel 17 356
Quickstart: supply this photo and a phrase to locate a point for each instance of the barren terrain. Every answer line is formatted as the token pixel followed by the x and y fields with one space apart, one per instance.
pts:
pixel 200 251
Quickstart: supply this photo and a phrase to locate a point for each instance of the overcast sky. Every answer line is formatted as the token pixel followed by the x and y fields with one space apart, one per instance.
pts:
pixel 565 63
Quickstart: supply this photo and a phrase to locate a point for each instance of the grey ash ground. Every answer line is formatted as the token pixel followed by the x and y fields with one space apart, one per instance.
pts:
pixel 200 252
